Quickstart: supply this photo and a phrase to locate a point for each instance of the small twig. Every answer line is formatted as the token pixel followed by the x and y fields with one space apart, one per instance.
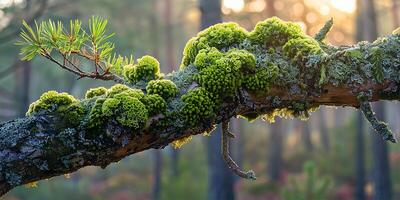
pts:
pixel 228 159
pixel 380 127
pixel 321 35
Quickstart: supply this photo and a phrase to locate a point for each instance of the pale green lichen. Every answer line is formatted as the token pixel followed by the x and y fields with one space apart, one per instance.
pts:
pixel 165 88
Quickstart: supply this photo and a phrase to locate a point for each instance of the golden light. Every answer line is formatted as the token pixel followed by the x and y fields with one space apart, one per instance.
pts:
pixel 257 6
pixel 348 6
pixel 234 5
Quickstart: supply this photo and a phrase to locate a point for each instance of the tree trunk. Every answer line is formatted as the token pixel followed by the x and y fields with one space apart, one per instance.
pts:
pixel 22 79
pixel 157 169
pixel 157 153
pixel 359 193
pixel 381 173
pixel 323 130
pixel 381 169
pixel 220 178
pixel 306 136
pixel 275 150
pixel 169 52
pixel 395 13
pixel 360 159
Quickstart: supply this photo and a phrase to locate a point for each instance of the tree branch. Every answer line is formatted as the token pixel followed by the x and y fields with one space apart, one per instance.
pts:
pixel 48 143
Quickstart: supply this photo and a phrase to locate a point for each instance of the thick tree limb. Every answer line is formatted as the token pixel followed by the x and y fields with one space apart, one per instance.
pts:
pixel 45 145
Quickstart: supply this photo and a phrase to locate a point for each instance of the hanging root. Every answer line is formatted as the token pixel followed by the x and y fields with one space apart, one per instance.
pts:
pixel 321 35
pixel 228 159
pixel 380 127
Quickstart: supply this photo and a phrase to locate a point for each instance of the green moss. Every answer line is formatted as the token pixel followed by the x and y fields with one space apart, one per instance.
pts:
pixel 221 79
pixel 376 60
pixel 198 105
pixel 261 80
pixel 219 36
pixel 96 117
pixel 165 88
pixel 154 103
pixel 132 112
pixel 73 113
pixel 119 88
pixel 301 48
pixel 247 60
pixel 94 92
pixel 110 106
pixel 207 57
pixel 50 101
pixel 146 69
pixel 275 32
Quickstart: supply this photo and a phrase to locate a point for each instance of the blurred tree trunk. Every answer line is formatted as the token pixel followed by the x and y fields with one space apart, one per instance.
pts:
pixel 395 13
pixel 157 169
pixel 275 132
pixel 235 127
pixel 171 64
pixel 220 178
pixel 275 150
pixel 381 171
pixel 306 135
pixel 270 9
pixel 323 130
pixel 157 154
pixel 22 79
pixel 359 193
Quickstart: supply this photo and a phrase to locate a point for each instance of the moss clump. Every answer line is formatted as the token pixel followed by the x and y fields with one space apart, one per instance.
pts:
pixel 110 106
pixel 96 117
pixel 95 92
pixel 221 73
pixel 50 101
pixel 261 80
pixel 165 88
pixel 207 57
pixel 247 60
pixel 198 105
pixel 275 32
pixel 131 112
pixel 219 36
pixel 146 69
pixel 68 108
pixel 119 88
pixel 121 102
pixel 221 79
pixel 301 48
pixel 154 103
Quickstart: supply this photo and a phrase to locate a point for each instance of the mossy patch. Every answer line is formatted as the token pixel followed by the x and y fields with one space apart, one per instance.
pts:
pixel 165 88
pixel 146 69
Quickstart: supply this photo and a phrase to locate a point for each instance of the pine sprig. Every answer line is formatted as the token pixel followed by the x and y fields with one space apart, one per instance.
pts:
pixel 50 38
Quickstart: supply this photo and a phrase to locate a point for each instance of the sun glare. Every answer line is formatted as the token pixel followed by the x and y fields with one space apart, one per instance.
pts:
pixel 234 5
pixel 348 6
